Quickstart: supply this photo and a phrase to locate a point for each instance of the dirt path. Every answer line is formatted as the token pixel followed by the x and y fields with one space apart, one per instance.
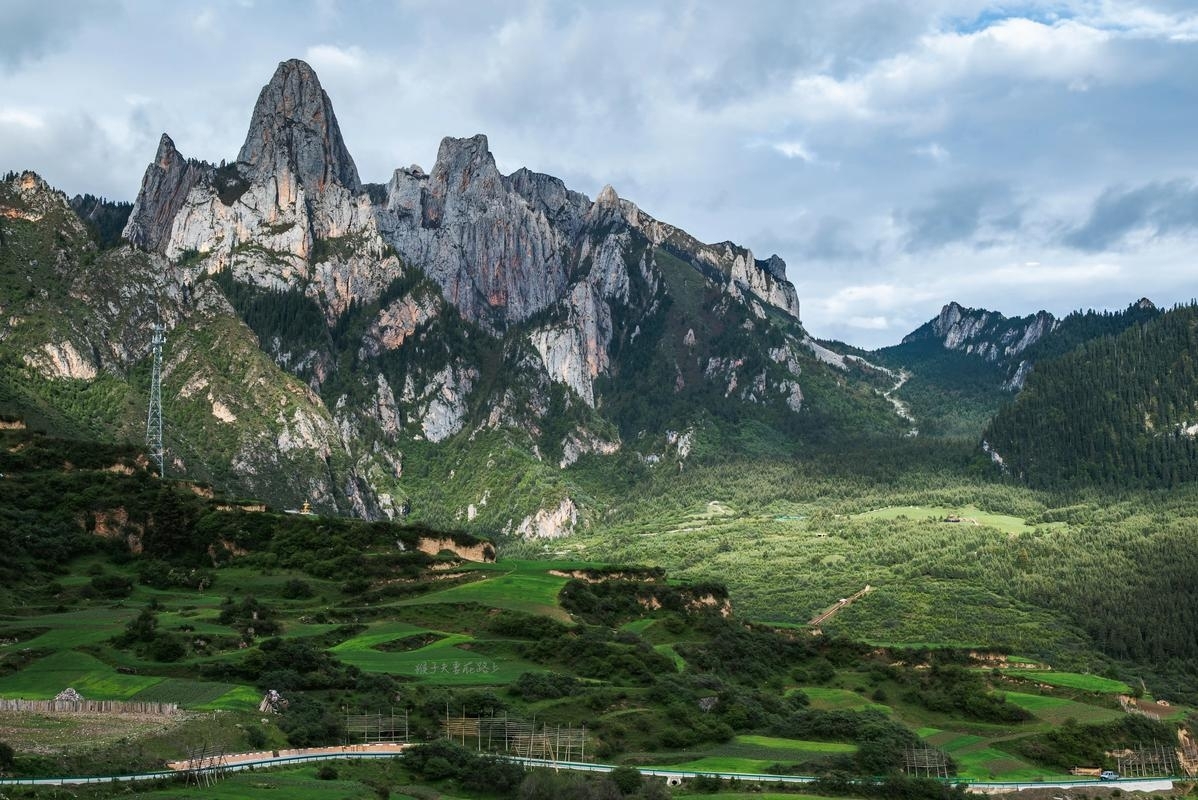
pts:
pixel 901 408
pixel 832 610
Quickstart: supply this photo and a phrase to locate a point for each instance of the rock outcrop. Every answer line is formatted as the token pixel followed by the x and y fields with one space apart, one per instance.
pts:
pixel 164 189
pixel 294 133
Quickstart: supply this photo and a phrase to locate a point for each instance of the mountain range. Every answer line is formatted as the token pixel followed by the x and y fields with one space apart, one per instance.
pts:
pixel 469 347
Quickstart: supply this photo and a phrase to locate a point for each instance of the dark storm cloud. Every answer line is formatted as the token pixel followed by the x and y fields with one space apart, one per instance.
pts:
pixel 30 30
pixel 1155 208
pixel 959 213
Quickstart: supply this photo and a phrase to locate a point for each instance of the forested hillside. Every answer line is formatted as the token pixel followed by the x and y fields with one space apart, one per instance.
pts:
pixel 1118 410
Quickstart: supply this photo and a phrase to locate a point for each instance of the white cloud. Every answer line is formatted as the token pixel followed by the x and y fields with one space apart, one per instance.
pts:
pixel 933 151
pixel 331 57
pixel 205 21
pixel 795 149
pixel 21 118
pixel 869 323
pixel 1033 273
pixel 852 301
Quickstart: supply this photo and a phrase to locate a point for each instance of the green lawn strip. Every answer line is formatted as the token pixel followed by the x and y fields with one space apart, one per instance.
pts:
pixel 978 759
pixel 1071 680
pixel 990 763
pixel 451 660
pixel 523 588
pixel 92 678
pixel 749 766
pixel 637 626
pixel 827 699
pixel 75 628
pixel 757 754
pixel 1057 709
pixel 239 698
pixel 186 693
pixel 1002 522
pixel 684 795
pixel 794 745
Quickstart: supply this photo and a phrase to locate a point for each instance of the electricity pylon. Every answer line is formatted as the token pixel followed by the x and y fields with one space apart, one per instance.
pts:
pixel 154 416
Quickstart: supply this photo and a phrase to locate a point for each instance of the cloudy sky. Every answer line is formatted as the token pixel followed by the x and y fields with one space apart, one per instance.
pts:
pixel 897 154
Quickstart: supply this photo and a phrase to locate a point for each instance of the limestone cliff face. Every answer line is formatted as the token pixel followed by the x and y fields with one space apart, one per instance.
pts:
pixel 294 133
pixel 164 190
pixel 499 247
pixel 726 263
pixel 506 248
pixel 512 251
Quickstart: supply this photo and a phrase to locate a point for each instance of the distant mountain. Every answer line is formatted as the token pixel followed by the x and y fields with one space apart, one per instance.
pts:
pixel 1118 410
pixel 967 362
pixel 459 342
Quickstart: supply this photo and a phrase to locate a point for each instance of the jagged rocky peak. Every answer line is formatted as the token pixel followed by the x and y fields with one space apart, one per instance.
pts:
pixel 294 128
pixel 775 266
pixel 984 333
pixel 164 189
pixel 549 195
pixel 1144 304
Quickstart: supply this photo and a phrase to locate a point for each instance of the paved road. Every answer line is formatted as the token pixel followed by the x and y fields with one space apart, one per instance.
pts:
pixel 240 761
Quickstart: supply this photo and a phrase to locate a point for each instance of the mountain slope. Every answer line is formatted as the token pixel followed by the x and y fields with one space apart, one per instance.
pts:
pixel 966 363
pixel 1118 410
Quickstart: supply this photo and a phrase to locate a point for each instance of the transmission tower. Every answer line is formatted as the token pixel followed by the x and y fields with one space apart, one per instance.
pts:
pixel 154 416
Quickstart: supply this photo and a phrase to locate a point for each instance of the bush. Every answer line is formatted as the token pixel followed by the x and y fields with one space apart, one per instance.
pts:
pixel 627 779
pixel 166 648
pixel 111 587
pixel 326 772
pixel 256 738
pixel 296 589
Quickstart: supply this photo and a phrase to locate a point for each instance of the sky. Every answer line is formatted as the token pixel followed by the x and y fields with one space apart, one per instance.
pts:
pixel 898 154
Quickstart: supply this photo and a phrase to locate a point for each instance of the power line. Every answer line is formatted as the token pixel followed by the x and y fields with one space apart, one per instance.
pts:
pixel 154 415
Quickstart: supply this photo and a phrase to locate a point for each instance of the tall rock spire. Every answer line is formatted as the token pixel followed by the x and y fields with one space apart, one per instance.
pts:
pixel 294 129
pixel 164 189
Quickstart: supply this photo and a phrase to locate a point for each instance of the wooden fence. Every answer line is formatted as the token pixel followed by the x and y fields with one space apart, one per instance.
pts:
pixel 89 707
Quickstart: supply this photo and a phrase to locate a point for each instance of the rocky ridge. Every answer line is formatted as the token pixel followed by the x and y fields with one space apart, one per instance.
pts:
pixel 989 335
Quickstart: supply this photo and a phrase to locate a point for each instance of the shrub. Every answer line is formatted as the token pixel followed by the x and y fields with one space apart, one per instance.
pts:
pixel 296 589
pixel 111 587
pixel 627 779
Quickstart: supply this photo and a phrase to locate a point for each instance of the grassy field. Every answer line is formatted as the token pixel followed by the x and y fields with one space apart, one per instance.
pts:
pixel 1056 710
pixel 840 700
pixel 978 758
pixel 94 679
pixel 1071 680
pixel 455 659
pixel 517 585
pixel 968 515
pixel 442 638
